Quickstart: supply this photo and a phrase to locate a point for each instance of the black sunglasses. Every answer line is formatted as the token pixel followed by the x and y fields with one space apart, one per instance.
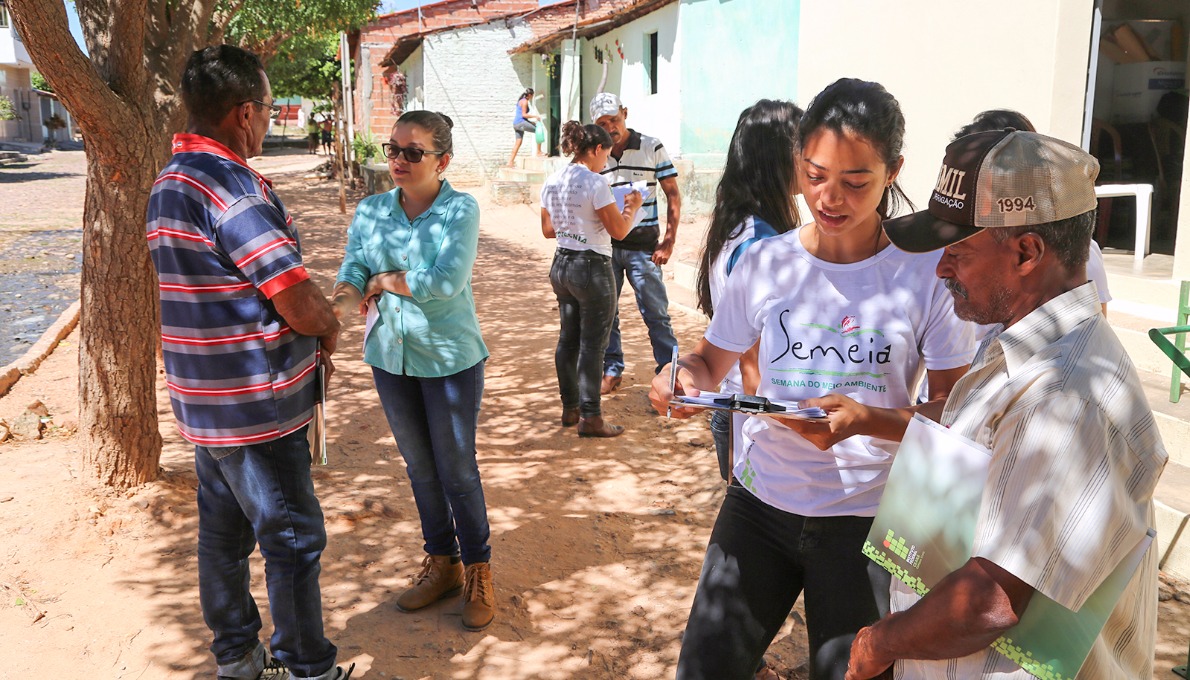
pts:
pixel 274 110
pixel 411 154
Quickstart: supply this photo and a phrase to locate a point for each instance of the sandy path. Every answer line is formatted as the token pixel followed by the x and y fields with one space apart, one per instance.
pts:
pixel 596 544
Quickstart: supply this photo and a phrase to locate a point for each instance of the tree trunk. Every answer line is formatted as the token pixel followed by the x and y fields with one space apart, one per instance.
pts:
pixel 124 99
pixel 120 438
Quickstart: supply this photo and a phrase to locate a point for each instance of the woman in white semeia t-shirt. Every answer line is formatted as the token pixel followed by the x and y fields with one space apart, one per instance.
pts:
pixel 846 322
pixel 578 209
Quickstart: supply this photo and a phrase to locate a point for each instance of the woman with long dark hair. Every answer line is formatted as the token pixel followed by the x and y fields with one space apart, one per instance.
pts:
pixel 846 322
pixel 754 200
pixel 578 209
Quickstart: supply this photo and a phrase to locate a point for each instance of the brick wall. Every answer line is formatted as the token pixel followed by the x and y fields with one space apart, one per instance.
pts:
pixel 374 99
pixel 469 75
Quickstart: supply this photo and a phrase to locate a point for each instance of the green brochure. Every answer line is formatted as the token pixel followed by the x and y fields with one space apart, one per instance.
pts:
pixel 925 529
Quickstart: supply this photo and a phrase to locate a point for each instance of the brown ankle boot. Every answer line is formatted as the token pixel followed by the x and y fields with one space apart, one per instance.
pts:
pixel 570 416
pixel 596 426
pixel 437 579
pixel 479 600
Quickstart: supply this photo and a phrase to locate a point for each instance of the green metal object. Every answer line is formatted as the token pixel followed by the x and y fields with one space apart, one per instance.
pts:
pixel 1176 350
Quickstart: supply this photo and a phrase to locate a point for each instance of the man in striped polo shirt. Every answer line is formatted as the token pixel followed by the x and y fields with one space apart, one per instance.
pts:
pixel 640 255
pixel 243 329
pixel 1051 392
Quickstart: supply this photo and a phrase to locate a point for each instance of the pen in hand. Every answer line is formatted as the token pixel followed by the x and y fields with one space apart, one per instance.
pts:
pixel 673 381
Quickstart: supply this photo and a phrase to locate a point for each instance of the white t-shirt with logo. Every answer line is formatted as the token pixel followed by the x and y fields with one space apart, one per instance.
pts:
pixel 571 196
pixel 867 330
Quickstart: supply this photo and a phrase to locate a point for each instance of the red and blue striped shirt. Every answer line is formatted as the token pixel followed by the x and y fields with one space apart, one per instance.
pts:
pixel 223 245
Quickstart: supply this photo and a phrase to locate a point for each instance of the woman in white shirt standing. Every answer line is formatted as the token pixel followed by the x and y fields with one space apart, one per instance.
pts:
pixel 839 314
pixel 578 209
pixel 754 200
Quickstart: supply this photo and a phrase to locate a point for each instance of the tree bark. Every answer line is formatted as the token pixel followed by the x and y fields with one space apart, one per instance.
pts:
pixel 125 101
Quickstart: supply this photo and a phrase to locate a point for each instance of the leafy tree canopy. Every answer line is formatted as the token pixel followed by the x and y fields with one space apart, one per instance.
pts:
pixel 306 67
pixel 265 26
pixel 40 83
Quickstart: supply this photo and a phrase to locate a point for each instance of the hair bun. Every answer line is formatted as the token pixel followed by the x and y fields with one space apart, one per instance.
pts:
pixel 449 123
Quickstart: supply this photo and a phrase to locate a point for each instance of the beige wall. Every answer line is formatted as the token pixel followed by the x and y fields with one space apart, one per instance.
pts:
pixel 946 61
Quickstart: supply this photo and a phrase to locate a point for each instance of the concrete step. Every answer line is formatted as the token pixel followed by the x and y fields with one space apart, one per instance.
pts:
pixel 520 175
pixel 504 192
pixel 530 162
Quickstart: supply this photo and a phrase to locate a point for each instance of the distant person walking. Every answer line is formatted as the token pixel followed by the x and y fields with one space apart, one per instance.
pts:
pixel 232 275
pixel 328 135
pixel 578 209
pixel 311 135
pixel 409 257
pixel 639 255
pixel 523 120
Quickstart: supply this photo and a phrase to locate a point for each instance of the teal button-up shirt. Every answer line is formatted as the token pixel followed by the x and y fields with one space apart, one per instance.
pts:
pixel 434 333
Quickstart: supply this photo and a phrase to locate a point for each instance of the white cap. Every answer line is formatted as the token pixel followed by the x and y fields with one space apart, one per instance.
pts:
pixel 604 104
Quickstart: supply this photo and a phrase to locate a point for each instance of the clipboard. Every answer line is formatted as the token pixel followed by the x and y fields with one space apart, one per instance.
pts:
pixel 620 193
pixel 751 405
pixel 316 434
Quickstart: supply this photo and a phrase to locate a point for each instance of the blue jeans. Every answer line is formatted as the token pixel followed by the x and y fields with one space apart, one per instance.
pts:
pixel 758 561
pixel 582 281
pixel 651 300
pixel 434 422
pixel 721 433
pixel 262 493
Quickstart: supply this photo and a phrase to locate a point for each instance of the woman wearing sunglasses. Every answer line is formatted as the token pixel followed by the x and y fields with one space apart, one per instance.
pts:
pixel 408 265
pixel 578 209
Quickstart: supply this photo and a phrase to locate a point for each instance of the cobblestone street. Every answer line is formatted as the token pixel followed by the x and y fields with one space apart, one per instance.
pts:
pixel 41 211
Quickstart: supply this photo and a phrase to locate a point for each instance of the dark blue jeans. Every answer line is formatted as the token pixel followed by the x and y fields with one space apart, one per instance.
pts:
pixel 434 422
pixel 651 300
pixel 758 561
pixel 724 439
pixel 262 494
pixel 582 280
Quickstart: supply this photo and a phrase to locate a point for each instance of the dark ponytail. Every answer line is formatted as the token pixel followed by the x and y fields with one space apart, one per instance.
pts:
pixel 578 139
pixel 439 126
pixel 868 110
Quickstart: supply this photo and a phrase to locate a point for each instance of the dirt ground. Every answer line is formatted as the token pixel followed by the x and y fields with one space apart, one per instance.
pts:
pixel 596 544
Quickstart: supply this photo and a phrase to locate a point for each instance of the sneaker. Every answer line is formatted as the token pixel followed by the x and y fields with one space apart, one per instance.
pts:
pixel 438 578
pixel 479 599
pixel 273 670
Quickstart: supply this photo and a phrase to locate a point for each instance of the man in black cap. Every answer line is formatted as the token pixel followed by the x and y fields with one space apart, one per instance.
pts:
pixel 1051 392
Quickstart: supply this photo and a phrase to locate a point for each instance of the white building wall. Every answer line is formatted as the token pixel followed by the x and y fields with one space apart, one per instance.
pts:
pixel 12 50
pixel 469 75
pixel 573 105
pixel 657 115
pixel 945 63
pixel 415 81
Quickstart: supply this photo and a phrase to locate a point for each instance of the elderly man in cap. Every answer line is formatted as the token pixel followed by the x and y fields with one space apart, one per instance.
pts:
pixel 640 255
pixel 1051 392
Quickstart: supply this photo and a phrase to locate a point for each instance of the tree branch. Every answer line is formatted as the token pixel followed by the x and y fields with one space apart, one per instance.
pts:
pixel 47 37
